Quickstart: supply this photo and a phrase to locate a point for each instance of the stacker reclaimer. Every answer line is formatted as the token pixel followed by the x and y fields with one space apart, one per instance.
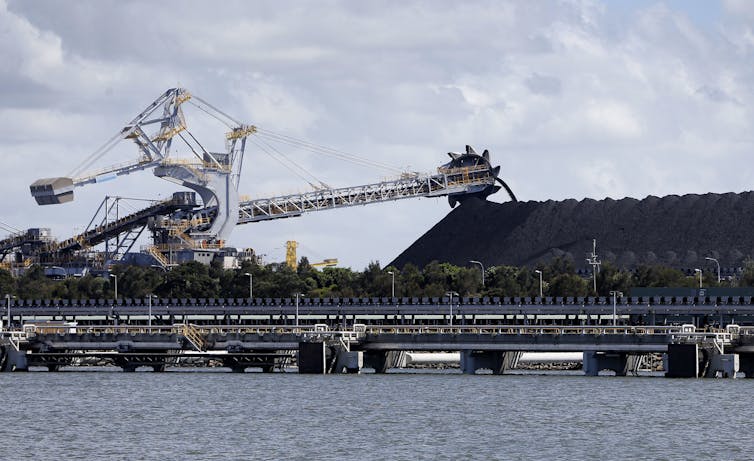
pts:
pixel 185 224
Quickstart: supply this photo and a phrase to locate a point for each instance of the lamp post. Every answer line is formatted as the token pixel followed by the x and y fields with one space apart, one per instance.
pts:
pixel 482 267
pixel 615 295
pixel 393 285
pixel 115 277
pixel 297 295
pixel 251 285
pixel 149 303
pixel 450 305
pixel 7 298
pixel 700 276
pixel 718 266
pixel 540 283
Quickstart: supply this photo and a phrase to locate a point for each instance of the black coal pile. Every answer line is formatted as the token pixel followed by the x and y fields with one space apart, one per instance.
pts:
pixel 676 231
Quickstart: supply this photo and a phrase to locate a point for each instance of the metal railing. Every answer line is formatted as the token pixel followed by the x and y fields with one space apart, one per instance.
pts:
pixel 192 334
pixel 15 338
pixel 360 330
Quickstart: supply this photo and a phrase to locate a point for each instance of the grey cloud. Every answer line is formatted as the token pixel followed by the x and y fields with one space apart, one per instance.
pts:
pixel 716 94
pixel 401 82
pixel 542 84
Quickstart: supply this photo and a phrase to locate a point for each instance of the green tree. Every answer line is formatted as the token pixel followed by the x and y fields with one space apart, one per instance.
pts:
pixel 409 281
pixel 503 281
pixel 34 285
pixel 280 282
pixel 136 281
pixel 190 280
pixel 7 283
pixel 341 282
pixel 610 278
pixel 568 285
pixel 660 276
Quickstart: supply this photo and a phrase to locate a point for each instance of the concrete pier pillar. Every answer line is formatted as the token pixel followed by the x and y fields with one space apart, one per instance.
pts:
pixel 496 361
pixel 126 365
pixel 723 366
pixel 382 361
pixel 348 361
pixel 14 360
pixel 594 362
pixel 312 357
pixel 682 361
pixel 746 364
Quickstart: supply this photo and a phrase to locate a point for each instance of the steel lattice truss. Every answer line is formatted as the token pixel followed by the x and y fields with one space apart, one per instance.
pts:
pixel 455 181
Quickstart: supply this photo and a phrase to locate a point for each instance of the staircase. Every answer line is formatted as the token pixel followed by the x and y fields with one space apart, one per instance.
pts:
pixel 191 333
pixel 178 228
pixel 154 251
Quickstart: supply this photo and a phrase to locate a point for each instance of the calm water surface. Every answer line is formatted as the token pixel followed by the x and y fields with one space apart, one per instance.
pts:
pixel 224 416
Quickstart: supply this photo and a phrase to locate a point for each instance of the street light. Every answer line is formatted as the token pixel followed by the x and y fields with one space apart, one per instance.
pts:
pixel 149 303
pixel 450 305
pixel 718 266
pixel 115 277
pixel 8 298
pixel 482 267
pixel 615 295
pixel 251 285
pixel 540 284
pixel 297 295
pixel 700 276
pixel 393 274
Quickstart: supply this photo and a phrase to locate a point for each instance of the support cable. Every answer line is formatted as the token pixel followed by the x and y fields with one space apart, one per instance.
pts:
pixel 10 229
pixel 296 165
pixel 324 150
pixel 94 156
pixel 218 111
pixel 277 159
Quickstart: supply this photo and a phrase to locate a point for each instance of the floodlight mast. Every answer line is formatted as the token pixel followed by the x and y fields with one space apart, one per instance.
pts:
pixel 594 261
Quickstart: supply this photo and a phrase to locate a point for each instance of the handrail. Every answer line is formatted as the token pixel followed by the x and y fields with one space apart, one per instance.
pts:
pixel 593 330
pixel 15 337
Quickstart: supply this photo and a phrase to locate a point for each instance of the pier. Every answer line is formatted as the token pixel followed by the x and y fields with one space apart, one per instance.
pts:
pixel 688 352
pixel 696 336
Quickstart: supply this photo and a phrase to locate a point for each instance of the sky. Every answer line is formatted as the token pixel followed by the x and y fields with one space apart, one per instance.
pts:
pixel 574 99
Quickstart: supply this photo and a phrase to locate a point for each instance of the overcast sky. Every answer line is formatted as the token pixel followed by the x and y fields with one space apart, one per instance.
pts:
pixel 573 98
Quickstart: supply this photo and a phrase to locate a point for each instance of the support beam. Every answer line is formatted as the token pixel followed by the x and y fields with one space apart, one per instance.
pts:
pixel 381 361
pixel 723 366
pixel 14 360
pixel 496 361
pixel 746 364
pixel 348 361
pixel 682 361
pixel 312 357
pixel 594 362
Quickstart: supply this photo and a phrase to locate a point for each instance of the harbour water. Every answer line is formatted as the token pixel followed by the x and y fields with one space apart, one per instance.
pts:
pixel 444 416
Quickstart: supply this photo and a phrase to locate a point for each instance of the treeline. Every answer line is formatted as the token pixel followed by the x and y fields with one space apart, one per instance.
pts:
pixel 195 280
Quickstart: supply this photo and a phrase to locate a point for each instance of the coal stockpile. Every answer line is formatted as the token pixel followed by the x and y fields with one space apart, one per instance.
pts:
pixel 676 231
